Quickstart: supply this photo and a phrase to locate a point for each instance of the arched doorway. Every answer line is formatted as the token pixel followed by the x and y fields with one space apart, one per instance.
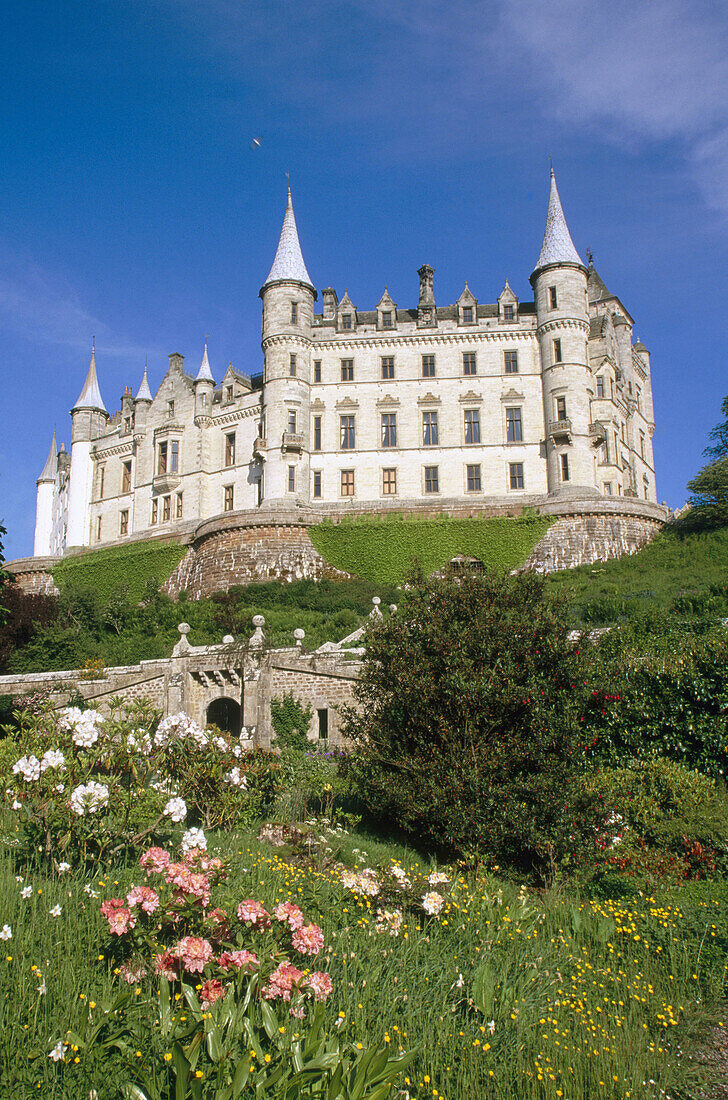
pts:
pixel 225 714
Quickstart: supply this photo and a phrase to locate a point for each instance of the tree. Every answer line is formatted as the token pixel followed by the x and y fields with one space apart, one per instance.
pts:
pixel 467 727
pixel 5 578
pixel 709 488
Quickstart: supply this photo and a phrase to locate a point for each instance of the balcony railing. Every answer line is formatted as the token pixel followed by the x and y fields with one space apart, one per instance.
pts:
pixel 597 433
pixel 259 446
pixel 560 429
pixel 292 441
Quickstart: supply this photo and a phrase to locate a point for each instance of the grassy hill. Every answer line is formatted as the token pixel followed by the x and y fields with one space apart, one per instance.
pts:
pixel 686 575
pixel 130 567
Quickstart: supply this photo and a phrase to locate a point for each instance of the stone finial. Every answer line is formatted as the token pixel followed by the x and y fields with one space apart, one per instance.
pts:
pixel 257 638
pixel 299 635
pixel 228 640
pixel 183 646
pixel 375 613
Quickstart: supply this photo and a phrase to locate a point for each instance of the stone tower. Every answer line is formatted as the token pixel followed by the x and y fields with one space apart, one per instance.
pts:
pixel 288 300
pixel 559 283
pixel 88 420
pixel 44 503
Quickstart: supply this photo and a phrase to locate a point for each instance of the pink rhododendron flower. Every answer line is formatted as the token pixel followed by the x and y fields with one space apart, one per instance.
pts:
pixel 218 918
pixel 167 965
pixel 297 1011
pixel 289 914
pixel 110 906
pixel 282 982
pixel 189 883
pixel 211 991
pixel 133 972
pixel 241 960
pixel 321 984
pixel 308 940
pixel 252 912
pixel 432 903
pixel 144 896
pixel 121 921
pixel 155 859
pixel 194 953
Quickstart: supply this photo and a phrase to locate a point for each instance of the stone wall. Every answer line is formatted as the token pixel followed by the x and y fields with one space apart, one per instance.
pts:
pixel 33 575
pixel 596 532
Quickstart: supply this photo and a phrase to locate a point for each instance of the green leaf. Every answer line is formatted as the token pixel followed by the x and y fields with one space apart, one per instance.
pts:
pixel 182 1072
pixel 270 1020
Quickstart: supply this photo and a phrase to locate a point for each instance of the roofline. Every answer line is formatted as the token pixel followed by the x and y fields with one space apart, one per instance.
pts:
pixel 289 282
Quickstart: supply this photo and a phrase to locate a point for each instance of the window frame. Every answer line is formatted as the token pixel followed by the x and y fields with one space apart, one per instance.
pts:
pixel 124 521
pixel 347 432
pixel 516 474
pixel 430 420
pixel 507 360
pixel 558 350
pixel 427 365
pixel 387 367
pixel 389 479
pixel 229 449
pixel 228 498
pixel 388 432
pixel 514 424
pixel 471 476
pixel 317 433
pixel 347 370
pixel 553 298
pixel 316 490
pixel 471 427
pixel 470 364
pixel 564 467
pixel 431 480
pixel 346 482
pixel 126 469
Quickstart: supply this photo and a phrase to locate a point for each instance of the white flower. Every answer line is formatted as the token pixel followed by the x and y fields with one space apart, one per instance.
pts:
pixel 82 725
pixel 237 778
pixel 26 892
pixel 432 903
pixel 180 726
pixel 459 982
pixel 60 787
pixel 42 987
pixel 194 838
pixel 28 767
pixel 176 809
pixel 89 798
pixel 54 758
pixel 16 805
pixel 88 889
pixel 436 878
pixel 6 933
pixel 55 911
pixel 58 1051
pixel 64 868
pixel 237 751
pixel 221 744
pixel 491 1026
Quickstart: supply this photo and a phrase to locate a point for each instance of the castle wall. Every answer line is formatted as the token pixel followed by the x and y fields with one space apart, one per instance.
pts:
pixel 596 532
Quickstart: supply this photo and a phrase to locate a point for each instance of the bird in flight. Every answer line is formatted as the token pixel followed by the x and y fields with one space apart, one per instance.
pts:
pixel 256 143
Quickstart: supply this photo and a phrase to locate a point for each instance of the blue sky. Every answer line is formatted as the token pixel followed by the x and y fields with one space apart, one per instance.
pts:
pixel 133 208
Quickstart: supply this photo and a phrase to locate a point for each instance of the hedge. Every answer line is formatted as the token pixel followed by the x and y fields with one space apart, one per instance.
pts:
pixel 384 550
pixel 119 568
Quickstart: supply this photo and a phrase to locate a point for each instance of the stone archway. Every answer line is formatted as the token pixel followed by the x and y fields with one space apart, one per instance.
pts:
pixel 225 713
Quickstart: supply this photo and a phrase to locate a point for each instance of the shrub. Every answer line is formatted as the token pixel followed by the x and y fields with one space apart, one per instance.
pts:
pixel 290 721
pixel 468 731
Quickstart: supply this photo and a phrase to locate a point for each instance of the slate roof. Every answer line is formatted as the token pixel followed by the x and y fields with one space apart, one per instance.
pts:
pixel 90 396
pixel 557 247
pixel 288 263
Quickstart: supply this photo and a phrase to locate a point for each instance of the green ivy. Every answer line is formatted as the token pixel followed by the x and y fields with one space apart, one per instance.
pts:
pixel 384 550
pixel 116 568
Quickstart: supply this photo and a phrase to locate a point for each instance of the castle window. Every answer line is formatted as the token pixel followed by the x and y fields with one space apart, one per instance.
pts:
pixel 645 487
pixel 127 424
pixel 387 366
pixel 174 457
pixel 166 508
pixel 511 362
pixel 509 313
pixel 179 506
pixel 557 351
pixel 553 298
pixel 469 366
pixel 346 320
pixel 428 366
pixel 227 498
pixel 432 479
pixel 389 429
pixel 642 444
pixel 564 467
pixel 323 724
pixel 317 433
pixel 386 318
pixel 467 315
pixel 294 313
pixel 347 483
pixel 607 487
pixel 515 475
pixel 429 429
pixel 347 433
pixel 389 483
pixel 638 393
pixel 230 449
pixel 203 399
pixel 292 365
pixel 291 479
pixel 228 393
pixel 317 370
pixel 155 510
pixel 561 408
pixel 600 386
pixel 124 522
pixel 317 483
pixel 170 408
pixel 291 422
pixel 162 458
pixel 473 479
pixel 514 426
pixel 102 477
pixel 347 370
pixel 126 477
pixel 472 426
pixel 98 529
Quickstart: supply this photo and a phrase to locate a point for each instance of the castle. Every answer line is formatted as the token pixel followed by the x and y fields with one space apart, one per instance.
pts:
pixel 492 406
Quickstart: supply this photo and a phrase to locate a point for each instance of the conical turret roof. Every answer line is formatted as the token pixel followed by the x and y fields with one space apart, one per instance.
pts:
pixel 144 394
pixel 557 247
pixel 595 285
pixel 204 374
pixel 288 263
pixel 90 396
pixel 51 467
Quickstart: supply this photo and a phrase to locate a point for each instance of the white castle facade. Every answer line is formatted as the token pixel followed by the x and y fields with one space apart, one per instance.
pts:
pixel 501 404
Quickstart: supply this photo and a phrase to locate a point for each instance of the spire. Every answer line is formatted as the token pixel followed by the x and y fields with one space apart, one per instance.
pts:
pixel 595 285
pixel 144 394
pixel 51 467
pixel 204 374
pixel 557 247
pixel 288 263
pixel 90 396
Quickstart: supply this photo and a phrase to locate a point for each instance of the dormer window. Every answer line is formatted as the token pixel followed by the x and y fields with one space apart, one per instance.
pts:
pixel 346 321
pixel 294 313
pixel 170 408
pixel 228 393
pixel 509 313
pixel 386 318
pixel 467 315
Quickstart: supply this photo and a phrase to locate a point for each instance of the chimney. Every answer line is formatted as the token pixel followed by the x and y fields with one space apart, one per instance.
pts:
pixel 426 306
pixel 331 301
pixel 175 361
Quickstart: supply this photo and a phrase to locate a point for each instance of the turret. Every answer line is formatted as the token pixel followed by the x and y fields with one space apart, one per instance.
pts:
pixel 204 387
pixel 45 500
pixel 142 402
pixel 288 300
pixel 559 282
pixel 88 419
